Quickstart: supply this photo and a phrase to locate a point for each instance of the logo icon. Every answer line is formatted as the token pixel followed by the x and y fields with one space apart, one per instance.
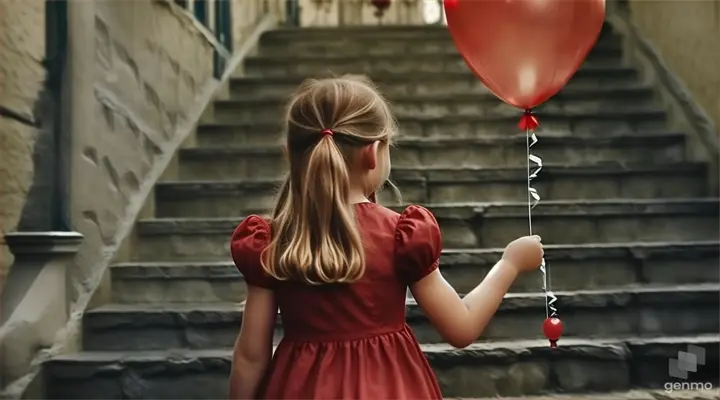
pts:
pixel 686 361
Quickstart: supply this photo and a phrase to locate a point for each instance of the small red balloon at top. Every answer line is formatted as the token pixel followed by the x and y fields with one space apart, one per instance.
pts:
pixel 381 5
pixel 451 3
pixel 553 329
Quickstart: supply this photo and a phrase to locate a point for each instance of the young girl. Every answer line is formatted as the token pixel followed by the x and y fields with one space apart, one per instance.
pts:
pixel 338 265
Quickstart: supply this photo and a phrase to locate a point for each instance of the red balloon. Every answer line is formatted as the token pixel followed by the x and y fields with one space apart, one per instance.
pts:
pixel 524 51
pixel 553 329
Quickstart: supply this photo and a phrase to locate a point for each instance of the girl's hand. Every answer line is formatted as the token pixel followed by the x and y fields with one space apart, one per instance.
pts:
pixel 525 253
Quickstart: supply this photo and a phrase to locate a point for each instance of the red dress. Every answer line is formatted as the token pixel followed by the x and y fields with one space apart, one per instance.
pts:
pixel 350 341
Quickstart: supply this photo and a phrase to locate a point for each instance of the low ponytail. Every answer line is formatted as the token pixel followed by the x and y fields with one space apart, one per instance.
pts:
pixel 322 242
pixel 314 235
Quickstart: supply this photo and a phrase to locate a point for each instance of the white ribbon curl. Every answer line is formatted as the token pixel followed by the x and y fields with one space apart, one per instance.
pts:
pixel 533 200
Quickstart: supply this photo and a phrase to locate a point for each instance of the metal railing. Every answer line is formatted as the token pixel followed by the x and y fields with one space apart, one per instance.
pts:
pixel 231 21
pixel 216 15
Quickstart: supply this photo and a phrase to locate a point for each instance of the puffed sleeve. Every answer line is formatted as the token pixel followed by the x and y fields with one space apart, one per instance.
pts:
pixel 418 244
pixel 248 241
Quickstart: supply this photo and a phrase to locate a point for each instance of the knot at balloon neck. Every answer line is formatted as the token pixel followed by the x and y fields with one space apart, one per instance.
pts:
pixel 528 121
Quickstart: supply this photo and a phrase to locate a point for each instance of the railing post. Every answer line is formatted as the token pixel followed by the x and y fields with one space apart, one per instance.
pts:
pixel 341 13
pixel 200 11
pixel 56 39
pixel 292 12
pixel 223 33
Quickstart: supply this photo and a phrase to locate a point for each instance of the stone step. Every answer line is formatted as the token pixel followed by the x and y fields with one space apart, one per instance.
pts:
pixel 425 57
pixel 247 110
pixel 694 391
pixel 434 47
pixel 476 225
pixel 574 91
pixel 604 124
pixel 223 198
pixel 421 83
pixel 372 33
pixel 575 267
pixel 675 310
pixel 236 161
pixel 575 98
pixel 397 43
pixel 571 93
pixel 509 369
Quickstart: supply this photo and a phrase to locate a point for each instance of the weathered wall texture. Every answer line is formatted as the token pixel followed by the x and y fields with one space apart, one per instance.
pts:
pixel 133 84
pixel 22 48
pixel 245 16
pixel 687 34
pixel 136 72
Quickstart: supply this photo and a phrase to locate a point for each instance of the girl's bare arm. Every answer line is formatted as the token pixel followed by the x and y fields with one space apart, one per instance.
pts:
pixel 253 348
pixel 461 321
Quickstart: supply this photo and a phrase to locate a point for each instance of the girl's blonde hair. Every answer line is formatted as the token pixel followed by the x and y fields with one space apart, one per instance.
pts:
pixel 315 238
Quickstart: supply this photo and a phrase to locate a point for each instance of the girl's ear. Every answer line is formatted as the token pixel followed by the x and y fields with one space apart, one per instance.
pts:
pixel 368 156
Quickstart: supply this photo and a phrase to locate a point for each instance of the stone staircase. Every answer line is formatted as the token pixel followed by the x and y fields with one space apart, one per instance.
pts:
pixel 630 229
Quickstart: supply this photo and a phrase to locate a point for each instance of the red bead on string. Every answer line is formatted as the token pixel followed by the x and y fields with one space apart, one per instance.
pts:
pixel 553 329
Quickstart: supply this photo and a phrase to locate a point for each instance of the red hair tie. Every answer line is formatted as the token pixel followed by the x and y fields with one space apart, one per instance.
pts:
pixel 326 132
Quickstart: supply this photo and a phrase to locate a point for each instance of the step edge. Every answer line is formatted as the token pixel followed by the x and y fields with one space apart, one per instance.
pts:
pixel 701 290
pixel 173 354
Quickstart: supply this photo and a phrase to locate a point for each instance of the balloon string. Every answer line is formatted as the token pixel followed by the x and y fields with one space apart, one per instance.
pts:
pixel 529 187
pixel 530 123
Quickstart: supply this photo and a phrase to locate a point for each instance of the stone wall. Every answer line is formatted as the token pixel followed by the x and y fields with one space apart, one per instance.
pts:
pixel 22 49
pixel 137 69
pixel 134 73
pixel 687 34
pixel 245 16
pixel 138 76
